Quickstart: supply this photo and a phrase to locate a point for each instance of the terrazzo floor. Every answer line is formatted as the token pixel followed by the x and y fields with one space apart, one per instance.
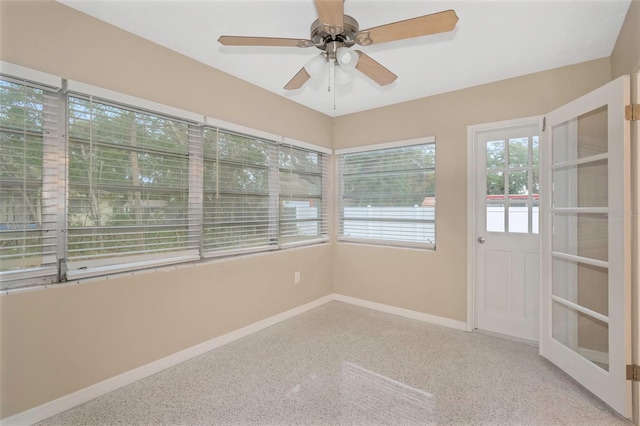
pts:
pixel 340 364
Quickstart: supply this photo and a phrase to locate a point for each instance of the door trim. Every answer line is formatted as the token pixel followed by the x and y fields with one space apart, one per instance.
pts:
pixel 471 203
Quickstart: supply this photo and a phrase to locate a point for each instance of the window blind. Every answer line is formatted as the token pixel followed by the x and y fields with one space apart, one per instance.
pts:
pixel 29 167
pixel 93 182
pixel 128 200
pixel 387 196
pixel 303 178
pixel 240 193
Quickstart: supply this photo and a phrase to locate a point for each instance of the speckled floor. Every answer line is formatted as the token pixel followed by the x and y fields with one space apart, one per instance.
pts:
pixel 341 364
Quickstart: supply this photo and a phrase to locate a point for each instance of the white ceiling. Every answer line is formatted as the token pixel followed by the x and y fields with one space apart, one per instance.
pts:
pixel 493 40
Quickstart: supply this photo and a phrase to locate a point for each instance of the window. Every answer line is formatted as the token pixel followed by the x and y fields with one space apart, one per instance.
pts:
pixel 137 184
pixel 239 193
pixel 29 158
pixel 303 194
pixel 387 196
pixel 512 194
pixel 128 185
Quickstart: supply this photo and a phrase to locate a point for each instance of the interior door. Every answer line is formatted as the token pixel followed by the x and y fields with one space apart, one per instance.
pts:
pixel 585 263
pixel 506 223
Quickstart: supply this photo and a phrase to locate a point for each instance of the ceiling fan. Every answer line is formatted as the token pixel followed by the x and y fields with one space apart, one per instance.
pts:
pixel 335 33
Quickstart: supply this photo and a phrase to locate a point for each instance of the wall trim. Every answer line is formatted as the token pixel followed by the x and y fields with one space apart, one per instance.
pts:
pixel 81 396
pixel 407 313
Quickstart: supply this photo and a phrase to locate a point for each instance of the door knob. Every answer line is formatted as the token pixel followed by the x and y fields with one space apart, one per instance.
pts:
pixel 481 240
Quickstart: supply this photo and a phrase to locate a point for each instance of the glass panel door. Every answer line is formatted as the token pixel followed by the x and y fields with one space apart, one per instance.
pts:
pixel 579 246
pixel 585 266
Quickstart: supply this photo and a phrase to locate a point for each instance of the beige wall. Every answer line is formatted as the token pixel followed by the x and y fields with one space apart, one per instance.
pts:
pixel 63 339
pixel 625 58
pixel 436 282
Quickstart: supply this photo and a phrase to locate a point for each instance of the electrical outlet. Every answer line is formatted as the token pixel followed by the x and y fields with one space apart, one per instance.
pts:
pixel 296 277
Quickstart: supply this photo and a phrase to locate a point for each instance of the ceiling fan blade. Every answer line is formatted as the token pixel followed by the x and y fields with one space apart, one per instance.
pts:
pixel 331 14
pixel 435 23
pixel 298 80
pixel 374 70
pixel 263 41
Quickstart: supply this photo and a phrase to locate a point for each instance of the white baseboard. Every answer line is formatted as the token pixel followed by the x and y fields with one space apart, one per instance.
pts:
pixel 420 316
pixel 74 399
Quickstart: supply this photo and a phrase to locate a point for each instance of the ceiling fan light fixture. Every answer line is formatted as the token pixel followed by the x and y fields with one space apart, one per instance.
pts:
pixel 342 77
pixel 347 59
pixel 316 65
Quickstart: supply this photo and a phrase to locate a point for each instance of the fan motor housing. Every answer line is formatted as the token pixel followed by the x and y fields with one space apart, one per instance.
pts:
pixel 323 40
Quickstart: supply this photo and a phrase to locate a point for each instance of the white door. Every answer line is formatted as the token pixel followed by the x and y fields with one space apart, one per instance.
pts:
pixel 585 263
pixel 506 246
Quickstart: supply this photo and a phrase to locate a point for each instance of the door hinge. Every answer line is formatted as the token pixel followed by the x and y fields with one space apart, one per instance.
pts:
pixel 633 373
pixel 632 112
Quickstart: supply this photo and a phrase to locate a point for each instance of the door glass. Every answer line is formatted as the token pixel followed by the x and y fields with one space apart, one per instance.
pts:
pixel 535 150
pixel 495 184
pixel 519 184
pixel 495 217
pixel 583 284
pixel 587 336
pixel 518 218
pixel 519 152
pixel 581 234
pixel 495 154
pixel 584 185
pixel 582 137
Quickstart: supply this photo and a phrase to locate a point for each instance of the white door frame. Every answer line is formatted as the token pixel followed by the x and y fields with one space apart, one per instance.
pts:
pixel 472 152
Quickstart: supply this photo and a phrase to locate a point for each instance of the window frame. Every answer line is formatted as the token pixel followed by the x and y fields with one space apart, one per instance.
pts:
pixel 376 148
pixel 323 220
pixel 125 261
pixel 271 234
pixel 52 181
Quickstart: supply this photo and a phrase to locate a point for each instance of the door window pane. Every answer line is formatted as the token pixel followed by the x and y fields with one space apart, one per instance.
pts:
pixel 581 137
pixel 584 185
pixel 519 152
pixel 587 336
pixel 581 234
pixel 495 217
pixel 519 218
pixel 518 184
pixel 535 219
pixel 583 284
pixel 495 154
pixel 495 183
